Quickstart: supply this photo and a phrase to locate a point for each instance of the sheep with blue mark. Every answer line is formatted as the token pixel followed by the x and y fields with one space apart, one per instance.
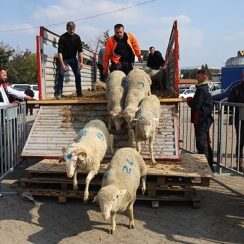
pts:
pixel 121 180
pixel 115 93
pixel 146 123
pixel 138 87
pixel 88 152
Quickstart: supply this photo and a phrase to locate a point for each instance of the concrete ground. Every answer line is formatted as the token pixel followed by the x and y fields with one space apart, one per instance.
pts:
pixel 219 220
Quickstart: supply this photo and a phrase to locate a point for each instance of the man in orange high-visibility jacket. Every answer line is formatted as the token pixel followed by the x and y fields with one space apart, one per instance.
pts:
pixel 120 50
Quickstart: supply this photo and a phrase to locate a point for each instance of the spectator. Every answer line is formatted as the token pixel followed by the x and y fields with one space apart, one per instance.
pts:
pixel 100 63
pixel 201 116
pixel 30 107
pixel 12 95
pixel 121 50
pixel 155 59
pixel 68 46
pixel 237 96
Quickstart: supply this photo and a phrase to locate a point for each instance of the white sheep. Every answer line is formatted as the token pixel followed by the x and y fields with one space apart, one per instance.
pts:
pixel 98 86
pixel 88 152
pixel 115 95
pixel 120 183
pixel 138 86
pixel 146 123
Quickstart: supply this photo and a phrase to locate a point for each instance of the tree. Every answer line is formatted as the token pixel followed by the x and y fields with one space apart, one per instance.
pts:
pixel 5 53
pixel 101 40
pixel 23 67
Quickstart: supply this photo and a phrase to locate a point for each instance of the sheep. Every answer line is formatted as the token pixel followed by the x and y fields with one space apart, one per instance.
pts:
pixel 115 96
pixel 119 185
pixel 138 87
pixel 98 86
pixel 146 123
pixel 88 152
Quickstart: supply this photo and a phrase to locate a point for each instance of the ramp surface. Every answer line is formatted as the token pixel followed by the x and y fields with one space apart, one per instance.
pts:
pixel 56 126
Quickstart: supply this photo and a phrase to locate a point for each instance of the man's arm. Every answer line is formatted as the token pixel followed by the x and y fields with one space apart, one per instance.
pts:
pixel 81 60
pixel 135 47
pixel 18 94
pixel 60 54
pixel 106 56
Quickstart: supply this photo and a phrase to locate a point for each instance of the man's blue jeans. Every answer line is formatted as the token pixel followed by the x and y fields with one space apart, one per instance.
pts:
pixel 73 63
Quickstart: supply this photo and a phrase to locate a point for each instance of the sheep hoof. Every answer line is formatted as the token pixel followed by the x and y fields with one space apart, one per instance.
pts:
pixel 154 162
pixel 131 226
pixel 85 200
pixel 143 191
pixel 111 231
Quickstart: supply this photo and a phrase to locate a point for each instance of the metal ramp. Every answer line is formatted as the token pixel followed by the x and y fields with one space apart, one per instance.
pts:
pixel 56 126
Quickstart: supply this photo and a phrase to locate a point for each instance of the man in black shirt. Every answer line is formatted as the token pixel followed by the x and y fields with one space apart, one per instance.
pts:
pixel 68 46
pixel 155 59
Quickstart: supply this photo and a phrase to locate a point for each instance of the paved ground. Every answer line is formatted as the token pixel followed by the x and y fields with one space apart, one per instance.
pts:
pixel 219 220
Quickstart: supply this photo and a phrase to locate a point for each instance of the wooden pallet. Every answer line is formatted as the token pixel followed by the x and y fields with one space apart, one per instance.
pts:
pixel 168 181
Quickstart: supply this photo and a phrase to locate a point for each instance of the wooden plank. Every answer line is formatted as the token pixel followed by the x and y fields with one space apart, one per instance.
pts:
pixel 191 165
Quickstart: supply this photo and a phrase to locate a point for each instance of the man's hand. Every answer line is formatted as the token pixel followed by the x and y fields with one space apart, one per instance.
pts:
pixel 81 65
pixel 140 59
pixel 189 99
pixel 65 68
pixel 28 98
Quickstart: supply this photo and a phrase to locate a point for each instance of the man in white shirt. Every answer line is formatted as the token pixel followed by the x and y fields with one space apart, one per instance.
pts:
pixel 8 94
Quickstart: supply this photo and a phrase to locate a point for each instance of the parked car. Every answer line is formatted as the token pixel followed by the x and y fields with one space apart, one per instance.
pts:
pixel 23 87
pixel 225 93
pixel 185 93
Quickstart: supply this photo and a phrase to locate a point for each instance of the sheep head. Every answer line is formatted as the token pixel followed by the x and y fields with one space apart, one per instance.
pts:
pixel 109 198
pixel 71 159
pixel 117 118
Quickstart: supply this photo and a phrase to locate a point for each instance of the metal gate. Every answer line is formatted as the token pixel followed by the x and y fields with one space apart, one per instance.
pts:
pixel 12 136
pixel 226 139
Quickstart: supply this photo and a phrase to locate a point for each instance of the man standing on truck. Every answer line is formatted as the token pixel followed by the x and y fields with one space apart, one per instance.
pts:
pixel 201 116
pixel 69 45
pixel 10 94
pixel 155 59
pixel 121 50
pixel 237 96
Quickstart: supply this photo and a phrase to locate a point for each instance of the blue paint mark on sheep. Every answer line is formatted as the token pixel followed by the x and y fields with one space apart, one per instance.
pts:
pixel 130 162
pixel 126 169
pixel 69 155
pixel 140 85
pixel 100 136
pixel 83 133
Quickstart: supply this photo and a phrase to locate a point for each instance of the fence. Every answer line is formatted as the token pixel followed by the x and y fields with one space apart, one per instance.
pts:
pixel 13 136
pixel 227 142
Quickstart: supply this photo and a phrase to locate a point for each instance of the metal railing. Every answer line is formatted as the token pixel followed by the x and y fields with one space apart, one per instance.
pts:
pixel 226 137
pixel 12 136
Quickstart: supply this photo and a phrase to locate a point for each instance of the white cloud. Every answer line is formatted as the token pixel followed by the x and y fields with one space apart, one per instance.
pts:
pixel 191 38
pixel 183 19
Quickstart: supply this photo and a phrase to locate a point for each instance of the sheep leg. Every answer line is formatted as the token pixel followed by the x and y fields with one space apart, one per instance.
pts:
pixel 151 140
pixel 131 216
pixel 75 183
pixel 143 184
pixel 113 222
pixel 89 177
pixel 131 137
pixel 111 143
pixel 138 146
pixel 109 123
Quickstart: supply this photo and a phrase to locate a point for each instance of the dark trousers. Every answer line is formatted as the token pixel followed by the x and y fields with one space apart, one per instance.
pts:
pixel 73 63
pixel 102 76
pixel 239 149
pixel 126 67
pixel 203 142
pixel 29 107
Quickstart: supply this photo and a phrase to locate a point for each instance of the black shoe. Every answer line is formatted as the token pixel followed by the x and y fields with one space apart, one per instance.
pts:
pixel 58 95
pixel 80 95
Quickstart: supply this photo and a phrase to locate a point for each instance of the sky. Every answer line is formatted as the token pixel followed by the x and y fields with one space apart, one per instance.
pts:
pixel 210 31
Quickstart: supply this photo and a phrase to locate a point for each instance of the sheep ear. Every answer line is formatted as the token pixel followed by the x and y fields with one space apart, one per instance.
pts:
pixel 80 152
pixel 64 150
pixel 61 159
pixel 122 192
pixel 95 199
